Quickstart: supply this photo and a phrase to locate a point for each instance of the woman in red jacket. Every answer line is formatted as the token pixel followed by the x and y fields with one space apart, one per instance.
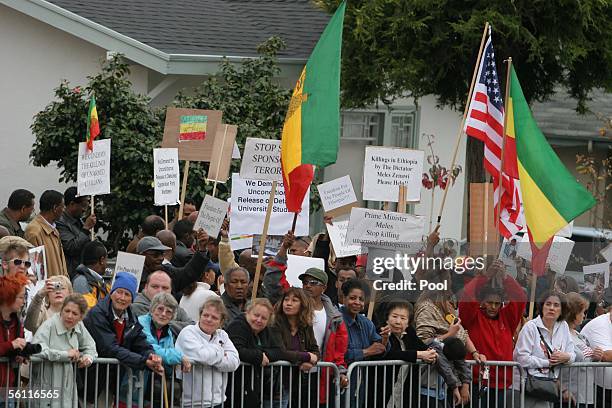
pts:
pixel 491 315
pixel 12 299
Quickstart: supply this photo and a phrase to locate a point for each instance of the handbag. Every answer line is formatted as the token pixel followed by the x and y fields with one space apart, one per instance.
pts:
pixel 543 388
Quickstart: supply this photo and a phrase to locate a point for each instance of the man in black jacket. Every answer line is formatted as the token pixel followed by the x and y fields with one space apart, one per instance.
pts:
pixel 74 232
pixel 118 335
pixel 153 251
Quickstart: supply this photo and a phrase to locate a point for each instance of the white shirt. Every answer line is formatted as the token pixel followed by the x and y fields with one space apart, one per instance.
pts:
pixel 319 324
pixel 599 333
pixel 192 303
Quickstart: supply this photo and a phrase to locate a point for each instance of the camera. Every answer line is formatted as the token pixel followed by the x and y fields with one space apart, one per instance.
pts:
pixel 57 285
pixel 29 349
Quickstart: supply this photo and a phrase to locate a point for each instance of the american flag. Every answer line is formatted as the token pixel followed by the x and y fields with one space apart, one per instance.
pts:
pixel 485 121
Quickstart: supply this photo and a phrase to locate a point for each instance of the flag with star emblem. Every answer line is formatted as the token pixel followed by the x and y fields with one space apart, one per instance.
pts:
pixel 311 133
pixel 485 122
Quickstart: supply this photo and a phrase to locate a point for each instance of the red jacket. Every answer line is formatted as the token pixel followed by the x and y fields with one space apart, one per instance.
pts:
pixel 335 343
pixel 493 337
pixel 7 335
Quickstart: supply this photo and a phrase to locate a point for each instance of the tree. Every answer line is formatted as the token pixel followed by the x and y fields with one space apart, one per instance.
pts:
pixel 394 48
pixel 128 121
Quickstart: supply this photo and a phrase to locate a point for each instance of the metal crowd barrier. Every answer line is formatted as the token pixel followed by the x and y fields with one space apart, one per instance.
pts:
pixel 372 384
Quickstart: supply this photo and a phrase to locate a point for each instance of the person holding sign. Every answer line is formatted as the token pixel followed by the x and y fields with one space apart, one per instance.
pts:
pixel 73 231
pixel 42 231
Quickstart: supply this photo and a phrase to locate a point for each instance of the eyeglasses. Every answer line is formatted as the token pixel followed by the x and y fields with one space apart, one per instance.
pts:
pixel 18 262
pixel 312 283
pixel 164 310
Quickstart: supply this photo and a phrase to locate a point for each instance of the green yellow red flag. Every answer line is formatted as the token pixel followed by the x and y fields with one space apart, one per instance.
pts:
pixel 311 133
pixel 552 197
pixel 93 127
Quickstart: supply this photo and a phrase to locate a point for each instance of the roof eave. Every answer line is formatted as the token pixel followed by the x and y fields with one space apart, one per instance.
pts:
pixel 143 54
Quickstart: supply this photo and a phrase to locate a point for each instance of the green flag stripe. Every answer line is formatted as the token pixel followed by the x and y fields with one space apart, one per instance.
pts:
pixel 568 196
pixel 321 109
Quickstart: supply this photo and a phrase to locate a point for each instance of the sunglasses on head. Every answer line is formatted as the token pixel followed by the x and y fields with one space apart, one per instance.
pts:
pixel 18 262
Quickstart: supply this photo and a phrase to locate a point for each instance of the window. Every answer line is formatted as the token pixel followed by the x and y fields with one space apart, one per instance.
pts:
pixel 363 126
pixel 403 129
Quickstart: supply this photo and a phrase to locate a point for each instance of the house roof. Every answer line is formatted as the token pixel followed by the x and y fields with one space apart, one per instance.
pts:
pixel 177 36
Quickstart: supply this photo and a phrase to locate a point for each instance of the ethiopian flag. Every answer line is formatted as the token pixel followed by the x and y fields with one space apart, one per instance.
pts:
pixel 552 197
pixel 93 127
pixel 312 125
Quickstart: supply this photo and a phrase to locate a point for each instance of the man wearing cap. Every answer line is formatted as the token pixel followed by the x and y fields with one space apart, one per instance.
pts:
pixel 118 333
pixel 153 251
pixel 328 325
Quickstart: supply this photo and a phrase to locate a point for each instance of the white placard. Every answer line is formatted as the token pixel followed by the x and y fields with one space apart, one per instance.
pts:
pixel 607 253
pixel 297 265
pixel 337 193
pixel 249 204
pixel 261 160
pixel 384 228
pixel 131 263
pixel 566 231
pixel 38 258
pixel 386 168
pixel 607 279
pixel 211 215
pixel 236 151
pixel 166 176
pixel 337 234
pixel 558 256
pixel 597 268
pixel 93 168
pixel 238 242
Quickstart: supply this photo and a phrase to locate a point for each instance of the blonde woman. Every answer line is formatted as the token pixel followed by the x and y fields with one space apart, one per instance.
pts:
pixel 47 302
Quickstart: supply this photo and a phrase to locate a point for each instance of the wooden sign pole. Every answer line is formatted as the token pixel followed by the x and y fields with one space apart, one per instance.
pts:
pixel 486 221
pixel 93 212
pixel 401 208
pixel 166 215
pixel 534 280
pixel 214 193
pixel 262 241
pixel 183 190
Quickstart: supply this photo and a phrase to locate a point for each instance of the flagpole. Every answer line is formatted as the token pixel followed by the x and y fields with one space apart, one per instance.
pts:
pixel 465 111
pixel 93 212
pixel 262 242
pixel 501 170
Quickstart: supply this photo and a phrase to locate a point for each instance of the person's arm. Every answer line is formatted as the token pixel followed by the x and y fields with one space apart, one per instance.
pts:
pixel 226 256
pixel 192 272
pixel 445 368
pixel 341 345
pixel 196 350
pixel 42 337
pixel 517 299
pixel 423 317
pixel 169 355
pixel 35 313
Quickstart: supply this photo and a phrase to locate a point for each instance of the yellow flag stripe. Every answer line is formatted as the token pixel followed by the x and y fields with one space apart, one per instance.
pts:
pixel 291 144
pixel 539 210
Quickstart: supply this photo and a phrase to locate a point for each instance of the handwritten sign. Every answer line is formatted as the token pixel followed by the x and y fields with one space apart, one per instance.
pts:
pixel 261 160
pixel 337 234
pixel 166 176
pixel 93 168
pixel 131 263
pixel 597 268
pixel 337 196
pixel 558 256
pixel 249 204
pixel 211 215
pixel 384 228
pixel 386 168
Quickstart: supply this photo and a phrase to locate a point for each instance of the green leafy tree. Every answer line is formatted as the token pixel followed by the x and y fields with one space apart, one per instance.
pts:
pixel 128 121
pixel 394 48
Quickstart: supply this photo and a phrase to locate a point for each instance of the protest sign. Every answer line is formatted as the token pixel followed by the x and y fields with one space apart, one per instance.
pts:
pixel 597 268
pixel 337 234
pixel 558 256
pixel 566 231
pixel 249 203
pixel 607 253
pixel 131 263
pixel 386 168
pixel 384 228
pixel 38 258
pixel 222 153
pixel 211 215
pixel 261 160
pixel 236 152
pixel 297 265
pixel 192 131
pixel 337 196
pixel 271 247
pixel 93 168
pixel 238 242
pixel 166 176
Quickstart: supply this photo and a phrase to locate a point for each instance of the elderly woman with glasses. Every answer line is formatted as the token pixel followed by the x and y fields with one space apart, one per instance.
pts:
pixel 156 327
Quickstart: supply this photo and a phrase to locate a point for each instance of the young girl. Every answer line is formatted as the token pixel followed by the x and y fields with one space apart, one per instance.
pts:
pixel 64 341
pixel 293 323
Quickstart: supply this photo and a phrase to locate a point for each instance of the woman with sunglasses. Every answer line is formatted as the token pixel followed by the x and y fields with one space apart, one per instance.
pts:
pixel 15 259
pixel 47 302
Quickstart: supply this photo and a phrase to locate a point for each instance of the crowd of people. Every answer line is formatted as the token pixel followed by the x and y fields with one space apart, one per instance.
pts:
pixel 190 322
